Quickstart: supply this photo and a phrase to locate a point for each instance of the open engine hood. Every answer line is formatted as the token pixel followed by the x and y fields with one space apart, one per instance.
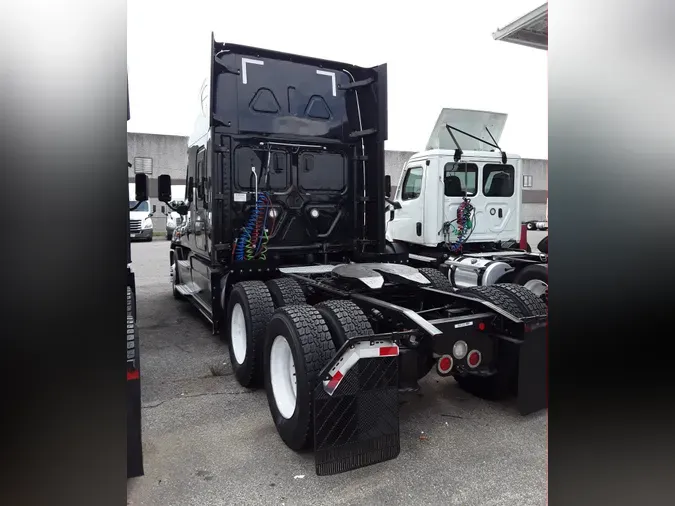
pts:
pixel 472 122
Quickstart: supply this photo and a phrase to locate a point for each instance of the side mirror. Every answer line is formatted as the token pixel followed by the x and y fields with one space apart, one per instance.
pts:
pixel 164 188
pixel 387 186
pixel 141 184
pixel 190 188
pixel 200 189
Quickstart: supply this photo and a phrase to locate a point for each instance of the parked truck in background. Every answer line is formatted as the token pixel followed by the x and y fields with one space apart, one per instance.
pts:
pixel 458 204
pixel 283 251
pixel 140 217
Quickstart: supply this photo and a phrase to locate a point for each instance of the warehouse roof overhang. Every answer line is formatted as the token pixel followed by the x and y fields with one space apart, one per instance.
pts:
pixel 531 30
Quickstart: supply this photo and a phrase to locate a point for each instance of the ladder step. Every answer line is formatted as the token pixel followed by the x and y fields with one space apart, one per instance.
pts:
pixel 187 288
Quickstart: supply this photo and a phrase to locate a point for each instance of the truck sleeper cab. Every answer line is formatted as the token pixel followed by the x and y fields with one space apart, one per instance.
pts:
pixel 283 250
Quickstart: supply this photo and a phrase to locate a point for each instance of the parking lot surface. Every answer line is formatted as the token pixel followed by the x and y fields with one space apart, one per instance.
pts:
pixel 208 441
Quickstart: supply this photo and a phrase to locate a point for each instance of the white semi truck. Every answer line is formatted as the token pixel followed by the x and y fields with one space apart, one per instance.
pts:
pixel 458 206
pixel 140 217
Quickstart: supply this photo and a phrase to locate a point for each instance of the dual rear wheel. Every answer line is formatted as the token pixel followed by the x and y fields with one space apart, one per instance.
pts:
pixel 280 342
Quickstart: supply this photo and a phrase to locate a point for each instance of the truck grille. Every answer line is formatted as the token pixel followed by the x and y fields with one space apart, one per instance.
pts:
pixel 134 226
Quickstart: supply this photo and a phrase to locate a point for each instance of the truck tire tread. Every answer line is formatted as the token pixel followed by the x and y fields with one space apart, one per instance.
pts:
pixel 344 319
pixel 131 303
pixel 437 279
pixel 495 296
pixel 529 302
pixel 285 292
pixel 310 339
pixel 258 309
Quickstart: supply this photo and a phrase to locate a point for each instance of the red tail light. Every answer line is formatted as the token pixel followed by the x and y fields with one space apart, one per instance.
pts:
pixel 473 359
pixel 445 364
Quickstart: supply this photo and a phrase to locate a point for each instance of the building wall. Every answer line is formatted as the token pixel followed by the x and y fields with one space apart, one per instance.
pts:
pixel 394 161
pixel 534 198
pixel 169 156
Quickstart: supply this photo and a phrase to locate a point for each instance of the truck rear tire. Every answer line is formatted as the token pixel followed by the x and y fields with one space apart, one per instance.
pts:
pixel 501 384
pixel 285 292
pixel 534 278
pixel 495 296
pixel 131 303
pixel 298 345
pixel 437 279
pixel 344 319
pixel 530 303
pixel 249 309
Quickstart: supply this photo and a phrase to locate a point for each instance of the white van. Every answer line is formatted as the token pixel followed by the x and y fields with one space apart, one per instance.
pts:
pixel 140 217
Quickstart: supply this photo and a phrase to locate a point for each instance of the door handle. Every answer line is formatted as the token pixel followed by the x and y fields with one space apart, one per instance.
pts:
pixel 499 213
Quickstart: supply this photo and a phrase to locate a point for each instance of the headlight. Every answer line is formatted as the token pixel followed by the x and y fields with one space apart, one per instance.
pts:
pixel 147 223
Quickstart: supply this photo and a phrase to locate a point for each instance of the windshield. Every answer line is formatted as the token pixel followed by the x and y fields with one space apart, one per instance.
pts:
pixel 143 206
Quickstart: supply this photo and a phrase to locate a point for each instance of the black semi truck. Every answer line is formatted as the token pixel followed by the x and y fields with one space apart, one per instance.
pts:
pixel 134 446
pixel 284 252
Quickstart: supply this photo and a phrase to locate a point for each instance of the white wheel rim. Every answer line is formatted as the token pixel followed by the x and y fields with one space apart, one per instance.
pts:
pixel 537 286
pixel 238 333
pixel 282 377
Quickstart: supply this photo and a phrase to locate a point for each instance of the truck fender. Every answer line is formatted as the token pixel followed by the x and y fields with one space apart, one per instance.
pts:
pixel 224 290
pixel 395 248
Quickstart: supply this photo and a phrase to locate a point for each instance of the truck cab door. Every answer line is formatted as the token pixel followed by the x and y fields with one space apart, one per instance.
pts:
pixel 460 180
pixel 406 226
pixel 201 226
pixel 501 201
pixel 491 188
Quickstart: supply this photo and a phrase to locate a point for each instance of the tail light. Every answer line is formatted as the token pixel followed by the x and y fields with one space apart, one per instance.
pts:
pixel 474 359
pixel 444 365
pixel 459 350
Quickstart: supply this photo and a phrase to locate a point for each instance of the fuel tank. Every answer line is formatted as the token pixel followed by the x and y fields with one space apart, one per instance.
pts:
pixel 467 271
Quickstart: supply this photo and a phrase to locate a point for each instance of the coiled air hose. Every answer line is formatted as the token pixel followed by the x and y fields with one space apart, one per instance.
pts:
pixel 464 228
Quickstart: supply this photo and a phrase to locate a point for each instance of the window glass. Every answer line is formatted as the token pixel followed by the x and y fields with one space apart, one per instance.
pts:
pixel 460 179
pixel 412 185
pixel 498 180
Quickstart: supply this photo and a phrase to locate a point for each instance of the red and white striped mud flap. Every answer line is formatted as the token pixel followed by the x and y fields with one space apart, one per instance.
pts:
pixel 356 408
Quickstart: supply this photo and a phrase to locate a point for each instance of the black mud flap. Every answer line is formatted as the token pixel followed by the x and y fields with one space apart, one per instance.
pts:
pixel 532 378
pixel 356 409
pixel 134 444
